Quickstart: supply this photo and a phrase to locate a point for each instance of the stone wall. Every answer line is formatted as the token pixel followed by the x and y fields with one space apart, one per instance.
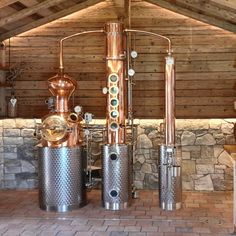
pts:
pixel 18 158
pixel 205 164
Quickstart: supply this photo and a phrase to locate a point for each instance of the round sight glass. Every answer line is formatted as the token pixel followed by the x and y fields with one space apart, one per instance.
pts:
pixel 114 114
pixel 113 156
pixel 114 126
pixel 113 78
pixel 114 102
pixel 114 90
pixel 114 193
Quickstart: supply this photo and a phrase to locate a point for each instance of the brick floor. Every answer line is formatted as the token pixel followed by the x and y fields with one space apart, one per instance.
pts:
pixel 203 214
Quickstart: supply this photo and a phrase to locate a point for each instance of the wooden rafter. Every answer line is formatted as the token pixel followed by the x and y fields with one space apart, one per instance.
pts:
pixel 226 4
pixel 195 14
pixel 28 11
pixel 208 8
pixel 45 20
pixel 4 3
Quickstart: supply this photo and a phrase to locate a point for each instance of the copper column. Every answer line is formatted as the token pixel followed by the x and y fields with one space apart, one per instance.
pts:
pixel 169 101
pixel 170 182
pixel 116 188
pixel 115 83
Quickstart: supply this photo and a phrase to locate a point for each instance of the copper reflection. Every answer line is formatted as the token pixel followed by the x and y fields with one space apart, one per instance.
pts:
pixel 61 86
pixel 115 65
pixel 62 128
pixel 170 101
pixel 169 88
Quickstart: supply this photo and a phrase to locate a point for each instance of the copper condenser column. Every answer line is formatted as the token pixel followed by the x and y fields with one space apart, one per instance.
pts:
pixel 61 166
pixel 116 192
pixel 170 183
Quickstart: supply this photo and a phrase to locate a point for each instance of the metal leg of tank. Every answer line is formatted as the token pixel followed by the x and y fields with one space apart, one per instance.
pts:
pixel 116 176
pixel 61 179
pixel 170 182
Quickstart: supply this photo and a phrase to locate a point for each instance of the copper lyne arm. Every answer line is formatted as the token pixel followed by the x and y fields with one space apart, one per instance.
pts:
pixel 61 67
pixel 153 34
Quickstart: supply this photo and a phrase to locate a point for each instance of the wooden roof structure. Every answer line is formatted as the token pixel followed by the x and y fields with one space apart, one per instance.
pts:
pixel 18 16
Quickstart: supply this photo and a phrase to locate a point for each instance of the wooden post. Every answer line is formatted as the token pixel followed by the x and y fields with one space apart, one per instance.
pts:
pixel 2 80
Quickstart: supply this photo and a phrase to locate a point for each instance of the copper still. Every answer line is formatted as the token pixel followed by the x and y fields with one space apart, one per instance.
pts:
pixel 170 183
pixel 61 165
pixel 116 162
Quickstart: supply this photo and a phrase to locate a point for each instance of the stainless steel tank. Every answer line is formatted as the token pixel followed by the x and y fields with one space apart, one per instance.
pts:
pixel 170 182
pixel 61 179
pixel 116 177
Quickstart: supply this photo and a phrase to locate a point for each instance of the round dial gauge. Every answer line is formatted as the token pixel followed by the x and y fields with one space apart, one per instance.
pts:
pixel 54 128
pixel 134 54
pixel 78 109
pixel 131 72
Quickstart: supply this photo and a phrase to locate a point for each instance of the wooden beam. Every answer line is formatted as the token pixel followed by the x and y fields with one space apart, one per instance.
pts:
pixel 4 3
pixel 28 11
pixel 45 20
pixel 226 4
pixel 169 5
pixel 208 9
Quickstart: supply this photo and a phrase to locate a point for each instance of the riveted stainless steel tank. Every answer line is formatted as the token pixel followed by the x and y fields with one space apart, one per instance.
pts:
pixel 170 182
pixel 116 176
pixel 61 179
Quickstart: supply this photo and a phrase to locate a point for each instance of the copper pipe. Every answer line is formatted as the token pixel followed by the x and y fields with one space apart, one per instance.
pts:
pixel 170 101
pixel 169 89
pixel 61 67
pixel 129 78
pixel 153 34
pixel 115 66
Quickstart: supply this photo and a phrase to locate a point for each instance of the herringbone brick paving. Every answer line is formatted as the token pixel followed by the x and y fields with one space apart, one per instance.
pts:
pixel 203 213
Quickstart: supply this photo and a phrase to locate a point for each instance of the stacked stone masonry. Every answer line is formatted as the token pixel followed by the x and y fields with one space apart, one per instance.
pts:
pixel 205 164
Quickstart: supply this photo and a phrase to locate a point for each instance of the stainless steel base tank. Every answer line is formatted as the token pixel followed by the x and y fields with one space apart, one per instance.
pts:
pixel 61 179
pixel 116 177
pixel 170 181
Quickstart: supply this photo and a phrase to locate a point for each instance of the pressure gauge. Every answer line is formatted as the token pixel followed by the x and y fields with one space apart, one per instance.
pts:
pixel 104 90
pixel 131 72
pixel 134 54
pixel 86 132
pixel 78 109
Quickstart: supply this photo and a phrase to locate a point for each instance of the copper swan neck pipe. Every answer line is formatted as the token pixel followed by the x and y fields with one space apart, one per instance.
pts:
pixel 61 66
pixel 169 89
pixel 153 34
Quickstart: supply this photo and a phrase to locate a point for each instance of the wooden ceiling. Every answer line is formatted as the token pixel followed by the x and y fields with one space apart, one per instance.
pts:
pixel 20 16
